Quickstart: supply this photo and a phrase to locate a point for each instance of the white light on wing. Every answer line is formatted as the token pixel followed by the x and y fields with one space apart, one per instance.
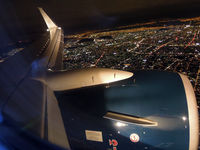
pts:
pixel 120 124
pixel 184 118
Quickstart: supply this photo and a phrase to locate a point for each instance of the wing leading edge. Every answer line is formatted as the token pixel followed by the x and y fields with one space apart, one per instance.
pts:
pixel 54 52
pixel 49 22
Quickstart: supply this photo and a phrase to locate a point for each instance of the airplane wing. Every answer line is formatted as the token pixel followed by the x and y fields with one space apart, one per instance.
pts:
pixel 55 47
pixel 24 99
pixel 44 54
pixel 94 108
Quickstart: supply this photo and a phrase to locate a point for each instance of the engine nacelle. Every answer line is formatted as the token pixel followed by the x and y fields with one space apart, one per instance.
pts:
pixel 149 110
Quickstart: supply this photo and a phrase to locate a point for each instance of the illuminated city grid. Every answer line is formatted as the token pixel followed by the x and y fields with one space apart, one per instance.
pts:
pixel 159 46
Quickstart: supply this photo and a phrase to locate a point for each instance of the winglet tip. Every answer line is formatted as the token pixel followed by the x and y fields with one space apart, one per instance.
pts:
pixel 47 19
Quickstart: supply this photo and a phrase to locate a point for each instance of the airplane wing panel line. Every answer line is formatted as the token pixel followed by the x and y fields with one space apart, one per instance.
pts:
pixel 59 58
pixel 12 92
pixel 55 51
pixel 51 47
pixel 56 128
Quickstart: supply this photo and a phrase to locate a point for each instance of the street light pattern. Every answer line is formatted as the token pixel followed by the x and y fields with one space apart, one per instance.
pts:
pixel 171 45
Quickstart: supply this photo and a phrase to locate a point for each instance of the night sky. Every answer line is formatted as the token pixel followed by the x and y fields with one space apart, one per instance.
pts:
pixel 21 19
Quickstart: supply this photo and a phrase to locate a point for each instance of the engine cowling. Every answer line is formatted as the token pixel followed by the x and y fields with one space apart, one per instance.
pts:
pixel 149 110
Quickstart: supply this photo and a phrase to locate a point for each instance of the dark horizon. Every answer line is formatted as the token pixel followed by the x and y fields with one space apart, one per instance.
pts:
pixel 22 19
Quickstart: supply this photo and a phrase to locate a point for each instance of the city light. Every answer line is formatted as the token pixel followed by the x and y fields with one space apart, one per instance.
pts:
pixel 160 48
